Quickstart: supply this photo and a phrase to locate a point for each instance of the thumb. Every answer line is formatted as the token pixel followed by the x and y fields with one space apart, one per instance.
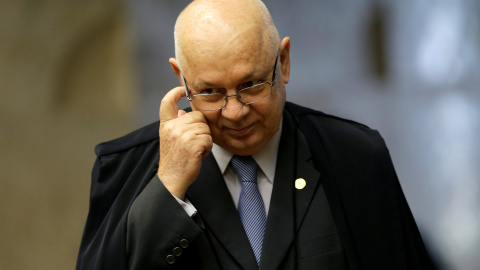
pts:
pixel 168 107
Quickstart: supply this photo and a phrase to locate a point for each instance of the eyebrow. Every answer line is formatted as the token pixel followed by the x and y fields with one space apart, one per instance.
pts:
pixel 203 83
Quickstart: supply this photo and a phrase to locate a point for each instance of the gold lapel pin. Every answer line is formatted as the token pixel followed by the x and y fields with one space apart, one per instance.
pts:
pixel 300 183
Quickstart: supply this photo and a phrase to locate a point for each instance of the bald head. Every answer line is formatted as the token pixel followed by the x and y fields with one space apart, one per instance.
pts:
pixel 222 29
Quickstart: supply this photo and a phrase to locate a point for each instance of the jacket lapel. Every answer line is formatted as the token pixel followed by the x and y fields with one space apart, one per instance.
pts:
pixel 279 231
pixel 213 201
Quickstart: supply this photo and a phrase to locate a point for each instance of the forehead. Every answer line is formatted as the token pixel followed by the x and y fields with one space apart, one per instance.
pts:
pixel 203 62
pixel 228 71
pixel 221 45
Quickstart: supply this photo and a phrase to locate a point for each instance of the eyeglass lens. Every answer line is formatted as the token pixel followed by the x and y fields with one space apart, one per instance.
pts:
pixel 217 101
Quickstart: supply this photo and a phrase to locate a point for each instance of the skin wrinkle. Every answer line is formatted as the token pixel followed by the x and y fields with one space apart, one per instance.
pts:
pixel 237 41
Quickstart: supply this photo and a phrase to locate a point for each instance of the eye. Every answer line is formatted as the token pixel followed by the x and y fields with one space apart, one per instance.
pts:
pixel 207 91
pixel 251 83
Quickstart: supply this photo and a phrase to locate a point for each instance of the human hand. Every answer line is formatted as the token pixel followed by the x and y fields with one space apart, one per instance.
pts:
pixel 184 141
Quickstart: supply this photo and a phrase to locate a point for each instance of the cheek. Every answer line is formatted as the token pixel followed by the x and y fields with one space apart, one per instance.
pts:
pixel 273 111
pixel 212 119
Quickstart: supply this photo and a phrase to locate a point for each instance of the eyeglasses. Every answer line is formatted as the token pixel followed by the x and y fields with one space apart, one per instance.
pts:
pixel 212 99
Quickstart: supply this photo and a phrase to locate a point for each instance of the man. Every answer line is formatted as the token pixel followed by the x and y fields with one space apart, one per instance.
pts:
pixel 245 180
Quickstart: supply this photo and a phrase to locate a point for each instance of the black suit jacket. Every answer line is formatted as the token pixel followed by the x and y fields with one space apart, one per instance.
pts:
pixel 134 221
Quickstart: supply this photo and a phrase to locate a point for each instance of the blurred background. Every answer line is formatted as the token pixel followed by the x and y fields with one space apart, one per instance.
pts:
pixel 76 73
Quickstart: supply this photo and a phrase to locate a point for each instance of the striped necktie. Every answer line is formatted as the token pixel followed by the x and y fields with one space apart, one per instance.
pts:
pixel 250 204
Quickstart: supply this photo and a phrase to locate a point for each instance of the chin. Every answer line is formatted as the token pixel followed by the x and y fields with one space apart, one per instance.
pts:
pixel 244 148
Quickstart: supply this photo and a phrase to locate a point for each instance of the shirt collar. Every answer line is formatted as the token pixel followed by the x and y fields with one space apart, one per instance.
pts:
pixel 266 158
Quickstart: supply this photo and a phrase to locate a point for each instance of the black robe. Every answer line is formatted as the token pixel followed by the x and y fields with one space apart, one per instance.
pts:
pixel 374 222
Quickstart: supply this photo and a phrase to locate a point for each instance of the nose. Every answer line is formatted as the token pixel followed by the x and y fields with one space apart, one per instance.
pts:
pixel 235 110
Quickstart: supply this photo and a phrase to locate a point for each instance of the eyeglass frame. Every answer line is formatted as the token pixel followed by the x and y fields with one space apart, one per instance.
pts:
pixel 190 97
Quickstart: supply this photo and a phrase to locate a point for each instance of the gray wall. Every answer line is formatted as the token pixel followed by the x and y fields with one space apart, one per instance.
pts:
pixel 66 84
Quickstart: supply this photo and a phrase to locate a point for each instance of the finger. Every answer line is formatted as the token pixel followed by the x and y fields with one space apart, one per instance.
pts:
pixel 200 129
pixel 194 117
pixel 181 112
pixel 207 144
pixel 168 106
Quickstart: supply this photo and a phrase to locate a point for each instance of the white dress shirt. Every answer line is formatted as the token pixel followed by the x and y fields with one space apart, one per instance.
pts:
pixel 266 159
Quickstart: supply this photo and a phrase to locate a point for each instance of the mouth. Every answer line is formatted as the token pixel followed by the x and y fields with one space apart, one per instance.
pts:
pixel 240 132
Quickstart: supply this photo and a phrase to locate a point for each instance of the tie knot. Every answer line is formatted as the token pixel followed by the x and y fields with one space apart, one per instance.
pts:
pixel 246 168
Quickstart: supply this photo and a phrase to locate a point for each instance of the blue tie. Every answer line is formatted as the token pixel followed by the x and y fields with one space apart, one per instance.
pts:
pixel 250 204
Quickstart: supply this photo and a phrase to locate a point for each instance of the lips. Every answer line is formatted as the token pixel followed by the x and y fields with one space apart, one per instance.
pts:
pixel 240 132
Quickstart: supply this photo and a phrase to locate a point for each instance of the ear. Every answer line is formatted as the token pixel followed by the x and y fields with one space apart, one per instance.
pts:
pixel 176 69
pixel 285 58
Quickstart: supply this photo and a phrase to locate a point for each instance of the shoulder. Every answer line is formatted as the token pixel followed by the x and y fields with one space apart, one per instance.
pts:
pixel 327 123
pixel 341 137
pixel 142 136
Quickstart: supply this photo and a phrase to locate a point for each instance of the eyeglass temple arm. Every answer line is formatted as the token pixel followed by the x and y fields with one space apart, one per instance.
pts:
pixel 186 89
pixel 274 77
